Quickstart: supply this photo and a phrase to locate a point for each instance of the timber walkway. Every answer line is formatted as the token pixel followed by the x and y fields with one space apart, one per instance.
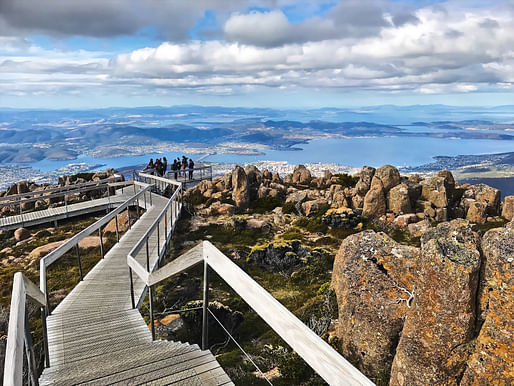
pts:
pixel 96 337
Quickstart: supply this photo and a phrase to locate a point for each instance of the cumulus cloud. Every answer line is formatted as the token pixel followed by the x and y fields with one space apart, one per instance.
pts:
pixel 365 46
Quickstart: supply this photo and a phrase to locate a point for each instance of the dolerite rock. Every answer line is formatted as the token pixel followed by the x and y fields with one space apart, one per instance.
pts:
pixel 508 208
pixel 254 177
pixel 301 175
pixel 435 190
pixel 23 187
pixel 389 176
pixel 311 208
pixel 375 200
pixel 227 181
pixel 398 199
pixel 240 192
pixel 365 176
pixel 342 218
pixel 477 211
pixel 280 256
pixel 21 234
pixel 433 347
pixel 372 275
pixel 493 357
pixel 485 195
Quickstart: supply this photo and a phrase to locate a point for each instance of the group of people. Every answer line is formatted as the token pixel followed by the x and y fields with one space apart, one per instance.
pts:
pixel 178 167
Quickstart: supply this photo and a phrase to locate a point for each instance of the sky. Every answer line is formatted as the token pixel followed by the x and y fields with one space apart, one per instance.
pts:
pixel 257 53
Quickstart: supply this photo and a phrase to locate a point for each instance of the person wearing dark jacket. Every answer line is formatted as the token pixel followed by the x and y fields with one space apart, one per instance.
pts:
pixel 191 167
pixel 164 166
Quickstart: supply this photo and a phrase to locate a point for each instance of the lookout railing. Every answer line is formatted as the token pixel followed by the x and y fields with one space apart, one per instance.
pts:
pixel 323 359
pixel 58 194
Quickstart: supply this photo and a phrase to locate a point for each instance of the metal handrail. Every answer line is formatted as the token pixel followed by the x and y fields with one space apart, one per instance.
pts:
pixel 327 362
pixel 175 202
pixel 73 242
pixel 19 333
pixel 60 190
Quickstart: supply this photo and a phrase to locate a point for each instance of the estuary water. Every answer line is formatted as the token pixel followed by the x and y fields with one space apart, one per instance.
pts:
pixel 354 152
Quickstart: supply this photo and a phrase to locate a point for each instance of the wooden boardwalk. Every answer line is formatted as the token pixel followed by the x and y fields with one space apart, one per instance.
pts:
pixel 95 336
pixel 61 212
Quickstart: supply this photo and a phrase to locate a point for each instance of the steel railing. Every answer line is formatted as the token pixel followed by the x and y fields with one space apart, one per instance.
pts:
pixel 19 200
pixel 323 359
pixel 166 220
pixel 18 335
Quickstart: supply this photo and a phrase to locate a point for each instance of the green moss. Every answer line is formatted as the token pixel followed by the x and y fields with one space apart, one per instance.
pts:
pixel 483 228
pixel 294 368
pixel 289 207
pixel 265 204
pixel 404 237
pixel 312 225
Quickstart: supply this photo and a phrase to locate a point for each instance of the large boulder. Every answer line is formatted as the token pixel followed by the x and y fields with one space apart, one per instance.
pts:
pixel 372 277
pixel 508 208
pixel 493 356
pixel 435 190
pixel 311 208
pixel 254 177
pixel 477 211
pixel 21 234
pixel 398 199
pixel 433 347
pixel 241 191
pixel 485 195
pixel 389 176
pixel 342 218
pixel 301 175
pixel 375 200
pixel 365 176
pixel 44 250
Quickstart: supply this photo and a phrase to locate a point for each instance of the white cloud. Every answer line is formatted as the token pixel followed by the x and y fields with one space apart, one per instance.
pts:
pixel 429 50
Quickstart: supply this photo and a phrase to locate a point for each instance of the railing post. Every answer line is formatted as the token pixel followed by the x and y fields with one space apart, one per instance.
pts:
pixel 29 351
pixel 158 240
pixel 205 306
pixel 147 256
pixel 137 207
pixel 117 231
pixel 128 216
pixel 101 242
pixel 45 336
pixel 144 198
pixel 152 324
pixel 132 289
pixel 80 262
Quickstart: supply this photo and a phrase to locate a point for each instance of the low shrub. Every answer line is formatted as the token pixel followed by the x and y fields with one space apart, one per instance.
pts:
pixel 346 180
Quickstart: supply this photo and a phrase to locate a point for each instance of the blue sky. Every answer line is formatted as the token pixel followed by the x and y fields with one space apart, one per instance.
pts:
pixel 267 53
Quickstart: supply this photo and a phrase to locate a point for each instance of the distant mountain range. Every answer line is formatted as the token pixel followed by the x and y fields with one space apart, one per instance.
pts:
pixel 32 135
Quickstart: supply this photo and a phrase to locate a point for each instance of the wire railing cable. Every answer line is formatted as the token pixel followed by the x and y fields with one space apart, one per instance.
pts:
pixel 239 346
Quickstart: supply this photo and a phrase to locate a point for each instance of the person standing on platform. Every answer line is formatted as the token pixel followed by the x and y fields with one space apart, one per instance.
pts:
pixel 191 167
pixel 164 166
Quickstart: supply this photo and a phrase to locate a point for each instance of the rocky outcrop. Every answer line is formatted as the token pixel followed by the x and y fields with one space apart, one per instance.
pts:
pixel 389 176
pixel 493 356
pixel 508 208
pixel 365 177
pixel 372 277
pixel 398 199
pixel 375 201
pixel 240 192
pixel 433 344
pixel 342 218
pixel 438 339
pixel 301 175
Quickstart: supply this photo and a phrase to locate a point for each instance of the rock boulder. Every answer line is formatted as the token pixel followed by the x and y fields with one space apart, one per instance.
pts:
pixel 371 278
